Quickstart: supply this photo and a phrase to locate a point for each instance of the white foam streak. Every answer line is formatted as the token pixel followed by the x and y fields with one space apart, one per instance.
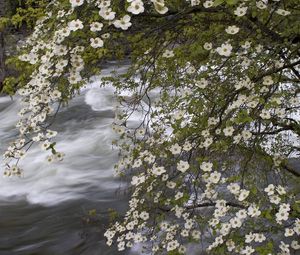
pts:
pixel 89 160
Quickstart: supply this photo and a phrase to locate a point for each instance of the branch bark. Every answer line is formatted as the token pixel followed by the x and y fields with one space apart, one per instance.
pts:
pixel 2 48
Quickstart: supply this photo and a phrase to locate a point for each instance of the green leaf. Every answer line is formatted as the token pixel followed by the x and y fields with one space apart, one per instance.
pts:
pixel 218 2
pixel 267 214
pixel 254 190
pixel 92 212
pixel 232 2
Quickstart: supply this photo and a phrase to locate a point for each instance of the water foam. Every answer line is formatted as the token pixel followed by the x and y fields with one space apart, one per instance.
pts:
pixel 85 137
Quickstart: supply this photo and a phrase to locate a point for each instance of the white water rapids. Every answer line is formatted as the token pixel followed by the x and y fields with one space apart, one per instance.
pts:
pixel 41 213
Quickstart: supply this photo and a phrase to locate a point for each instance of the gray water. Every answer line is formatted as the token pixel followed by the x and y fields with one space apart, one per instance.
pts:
pixel 45 212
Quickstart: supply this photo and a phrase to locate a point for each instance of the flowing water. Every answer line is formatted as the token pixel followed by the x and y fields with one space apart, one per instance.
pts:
pixel 45 211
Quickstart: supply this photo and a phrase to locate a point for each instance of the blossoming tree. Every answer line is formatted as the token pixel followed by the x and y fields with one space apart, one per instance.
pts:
pixel 217 83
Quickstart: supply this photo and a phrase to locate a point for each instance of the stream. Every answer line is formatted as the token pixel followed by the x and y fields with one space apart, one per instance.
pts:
pixel 44 212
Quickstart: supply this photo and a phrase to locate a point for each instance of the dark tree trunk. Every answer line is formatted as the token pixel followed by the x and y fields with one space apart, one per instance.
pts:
pixel 2 46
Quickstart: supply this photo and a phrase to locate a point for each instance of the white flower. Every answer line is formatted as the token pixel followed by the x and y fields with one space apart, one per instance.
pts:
pixel 265 114
pixel 172 245
pixel 75 25
pixel 182 250
pixel 249 237
pixel 284 247
pixel 240 11
pixel 246 45
pixel 149 158
pixel 208 141
pixel 123 23
pixel 202 83
pixel 168 54
pixel 136 7
pixel 208 4
pixel 225 228
pixel 105 36
pixel 234 188
pixel 207 46
pixel 243 194
pixel 51 133
pixel 60 50
pixel 59 156
pixel 61 13
pixel 107 13
pixel 206 166
pixel 188 224
pixel 246 135
pixel 241 214
pixel 297 227
pixel 155 248
pixel 285 207
pixel 96 42
pixel 212 121
pixel 253 103
pixel 283 12
pixel 109 234
pixel 184 233
pixel 295 245
pixel 259 48
pixel 160 6
pixel 230 245
pixel 171 185
pixel 261 5
pixel 267 80
pixel 235 222
pixel 65 32
pixel 196 234
pixel 289 232
pixel 45 145
pixel 259 238
pixel 213 222
pixel 137 163
pixel 182 166
pixel 247 250
pixel 228 131
pixel 214 177
pixel 136 180
pixel 253 211
pixel 274 199
pixel 55 94
pixel 175 149
pixel 270 189
pixel 50 159
pixel 165 177
pixel 195 2
pixel 74 78
pixel 179 115
pixel 191 70
pixel 281 216
pixel 246 62
pixel 205 133
pixel 96 26
pixel 178 195
pixel 281 190
pixel 158 170
pixel 144 215
pixel 121 246
pixel 76 3
pixel 232 30
pixel 187 146
pixel 225 49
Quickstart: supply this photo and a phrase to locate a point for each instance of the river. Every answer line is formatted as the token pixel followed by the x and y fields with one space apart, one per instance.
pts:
pixel 45 211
